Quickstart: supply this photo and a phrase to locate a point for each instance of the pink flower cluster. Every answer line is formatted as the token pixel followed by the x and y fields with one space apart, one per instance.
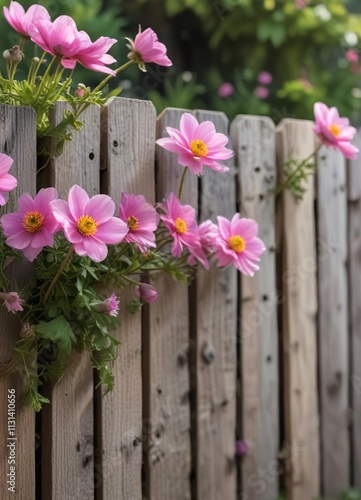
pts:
pixel 264 78
pixel 61 38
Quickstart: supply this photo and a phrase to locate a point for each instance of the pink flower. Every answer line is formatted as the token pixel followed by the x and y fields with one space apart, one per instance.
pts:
pixel 208 233
pixel 110 306
pixel 21 20
pixel 147 49
pixel 62 38
pixel 197 145
pixel 264 78
pixel 238 244
pixel 12 301
pixel 241 447
pixel 33 226
pixel 182 226
pixel 89 223
pixel 146 293
pixel 352 56
pixel 334 131
pixel 261 92
pixel 141 219
pixel 300 4
pixel 7 181
pixel 226 89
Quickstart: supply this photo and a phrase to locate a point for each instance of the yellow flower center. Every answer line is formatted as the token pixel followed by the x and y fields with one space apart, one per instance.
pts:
pixel 335 130
pixel 237 243
pixel 87 225
pixel 199 148
pixel 180 226
pixel 32 222
pixel 132 223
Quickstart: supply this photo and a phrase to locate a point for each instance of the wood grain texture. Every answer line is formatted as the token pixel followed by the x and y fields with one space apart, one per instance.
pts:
pixel 128 148
pixel 333 321
pixel 254 141
pixel 18 140
pixel 167 409
pixel 296 227
pixel 216 325
pixel 67 460
pixel 354 217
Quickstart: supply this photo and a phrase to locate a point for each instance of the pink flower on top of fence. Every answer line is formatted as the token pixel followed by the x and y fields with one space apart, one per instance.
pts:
pixel 197 145
pixel 146 293
pixel 7 181
pixel 147 49
pixel 32 228
pixel 141 218
pixel 21 20
pixel 88 223
pixel 12 301
pixel 334 131
pixel 62 38
pixel 238 244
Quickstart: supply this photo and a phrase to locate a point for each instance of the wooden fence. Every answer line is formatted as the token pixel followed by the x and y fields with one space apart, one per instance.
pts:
pixel 274 360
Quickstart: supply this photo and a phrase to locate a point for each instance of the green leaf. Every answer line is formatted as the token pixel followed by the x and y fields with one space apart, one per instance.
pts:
pixel 58 330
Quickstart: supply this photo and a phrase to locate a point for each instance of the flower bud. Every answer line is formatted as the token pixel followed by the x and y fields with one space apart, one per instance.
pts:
pixel 81 90
pixel 147 293
pixel 35 59
pixel 14 54
pixel 7 55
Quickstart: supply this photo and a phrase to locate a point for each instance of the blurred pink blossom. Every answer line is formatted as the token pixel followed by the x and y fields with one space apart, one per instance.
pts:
pixel 226 89
pixel 261 92
pixel 352 56
pixel 264 78
pixel 146 293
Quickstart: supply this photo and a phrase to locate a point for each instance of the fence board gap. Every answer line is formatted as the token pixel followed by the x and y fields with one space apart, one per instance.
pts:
pixel 298 303
pixel 128 144
pixel 68 457
pixel 354 217
pixel 333 320
pixel 18 140
pixel 255 144
pixel 216 309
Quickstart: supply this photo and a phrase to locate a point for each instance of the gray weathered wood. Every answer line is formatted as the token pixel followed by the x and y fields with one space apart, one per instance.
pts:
pixel 18 140
pixel 354 218
pixel 297 274
pixel 128 132
pixel 166 405
pixel 216 317
pixel 333 321
pixel 254 141
pixel 68 461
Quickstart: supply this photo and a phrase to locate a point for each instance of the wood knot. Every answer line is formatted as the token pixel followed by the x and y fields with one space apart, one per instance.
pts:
pixel 208 353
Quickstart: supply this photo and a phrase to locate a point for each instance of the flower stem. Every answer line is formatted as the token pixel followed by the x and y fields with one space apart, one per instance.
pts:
pixel 56 277
pixel 118 70
pixel 286 183
pixel 137 283
pixel 181 185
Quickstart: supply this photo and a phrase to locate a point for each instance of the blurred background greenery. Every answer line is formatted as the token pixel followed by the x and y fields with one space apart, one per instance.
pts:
pixel 273 57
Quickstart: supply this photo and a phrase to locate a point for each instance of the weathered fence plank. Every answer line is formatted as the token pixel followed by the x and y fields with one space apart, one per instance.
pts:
pixel 166 405
pixel 296 237
pixel 254 141
pixel 68 457
pixel 215 333
pixel 354 218
pixel 18 140
pixel 333 321
pixel 128 144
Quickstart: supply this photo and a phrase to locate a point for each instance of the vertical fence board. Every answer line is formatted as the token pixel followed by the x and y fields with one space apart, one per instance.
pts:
pixel 354 218
pixel 67 460
pixel 18 140
pixel 128 131
pixel 167 409
pixel 333 322
pixel 296 230
pixel 216 321
pixel 254 140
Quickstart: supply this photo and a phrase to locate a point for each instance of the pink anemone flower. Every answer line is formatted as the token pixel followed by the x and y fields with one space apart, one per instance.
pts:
pixel 141 218
pixel 181 223
pixel 21 20
pixel 110 306
pixel 334 131
pixel 264 78
pixel 62 38
pixel 12 301
pixel 238 244
pixel 197 145
pixel 7 181
pixel 208 233
pixel 147 49
pixel 89 223
pixel 146 293
pixel 33 226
